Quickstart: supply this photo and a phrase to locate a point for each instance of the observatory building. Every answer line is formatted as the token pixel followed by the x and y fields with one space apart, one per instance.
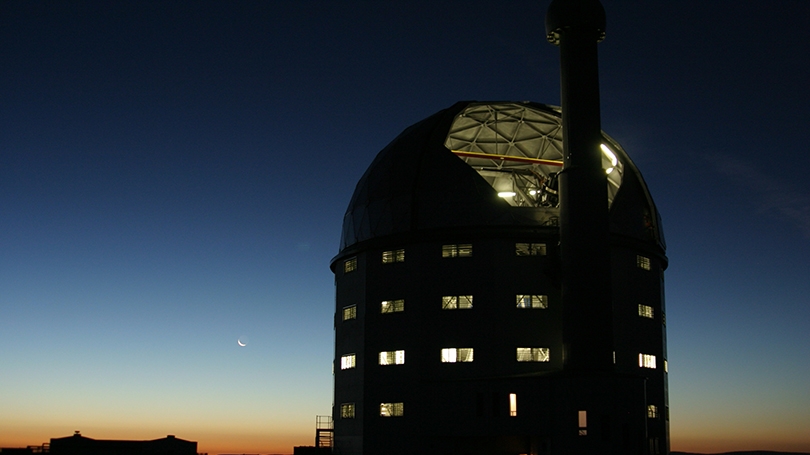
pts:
pixel 451 329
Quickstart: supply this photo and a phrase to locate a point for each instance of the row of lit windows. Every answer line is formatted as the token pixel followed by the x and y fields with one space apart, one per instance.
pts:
pixel 462 250
pixel 456 250
pixel 454 302
pixel 348 411
pixel 460 355
pixel 448 355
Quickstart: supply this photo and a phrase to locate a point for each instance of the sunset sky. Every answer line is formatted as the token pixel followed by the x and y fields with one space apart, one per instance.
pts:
pixel 173 176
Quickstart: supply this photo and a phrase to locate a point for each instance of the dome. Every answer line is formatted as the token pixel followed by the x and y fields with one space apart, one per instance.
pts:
pixel 486 164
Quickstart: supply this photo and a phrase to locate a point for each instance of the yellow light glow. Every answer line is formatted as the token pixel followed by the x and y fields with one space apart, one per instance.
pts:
pixel 611 156
pixel 506 194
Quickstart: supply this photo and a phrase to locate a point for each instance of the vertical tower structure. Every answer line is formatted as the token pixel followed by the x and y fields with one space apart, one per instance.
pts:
pixel 499 285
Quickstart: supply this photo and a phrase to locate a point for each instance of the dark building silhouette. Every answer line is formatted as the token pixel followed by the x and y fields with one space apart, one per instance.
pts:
pixel 449 317
pixel 80 445
pixel 500 290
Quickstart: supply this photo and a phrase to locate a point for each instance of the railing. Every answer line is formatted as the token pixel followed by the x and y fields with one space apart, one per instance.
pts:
pixel 324 431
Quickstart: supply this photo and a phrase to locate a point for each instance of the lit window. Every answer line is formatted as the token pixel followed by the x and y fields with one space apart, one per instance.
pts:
pixel 512 404
pixel 461 250
pixel 350 265
pixel 392 306
pixel 347 361
pixel 347 410
pixel 455 302
pixel 533 354
pixel 583 423
pixel 530 249
pixel 350 312
pixel 646 361
pixel 643 262
pixel 532 301
pixel 392 357
pixel 453 355
pixel 391 409
pixel 652 411
pixel 645 311
pixel 389 257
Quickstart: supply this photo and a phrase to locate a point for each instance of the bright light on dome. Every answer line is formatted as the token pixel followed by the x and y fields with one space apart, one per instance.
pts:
pixel 613 160
pixel 506 194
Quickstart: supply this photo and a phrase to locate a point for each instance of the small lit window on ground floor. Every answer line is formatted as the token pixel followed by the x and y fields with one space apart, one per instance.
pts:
pixel 533 354
pixel 512 404
pixel 456 302
pixel 350 312
pixel 347 361
pixel 347 410
pixel 582 418
pixel 643 262
pixel 392 357
pixel 532 301
pixel 391 409
pixel 530 249
pixel 646 361
pixel 350 265
pixel 652 411
pixel 461 250
pixel 454 355
pixel 392 306
pixel 645 311
pixel 390 257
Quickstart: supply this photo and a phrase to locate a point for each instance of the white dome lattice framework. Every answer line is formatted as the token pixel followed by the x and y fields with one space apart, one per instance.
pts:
pixel 518 149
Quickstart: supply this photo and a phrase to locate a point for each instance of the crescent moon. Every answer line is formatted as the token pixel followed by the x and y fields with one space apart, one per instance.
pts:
pixel 239 342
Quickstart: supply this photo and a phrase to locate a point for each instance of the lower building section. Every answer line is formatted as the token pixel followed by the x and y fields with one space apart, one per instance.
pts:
pixel 550 414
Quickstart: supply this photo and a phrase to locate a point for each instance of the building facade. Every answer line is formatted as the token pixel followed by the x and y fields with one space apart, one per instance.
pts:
pixel 449 315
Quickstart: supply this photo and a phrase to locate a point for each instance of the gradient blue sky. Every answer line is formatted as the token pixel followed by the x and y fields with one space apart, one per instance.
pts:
pixel 173 176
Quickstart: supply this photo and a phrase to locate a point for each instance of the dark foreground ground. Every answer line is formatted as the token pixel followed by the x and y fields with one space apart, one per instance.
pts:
pixel 753 452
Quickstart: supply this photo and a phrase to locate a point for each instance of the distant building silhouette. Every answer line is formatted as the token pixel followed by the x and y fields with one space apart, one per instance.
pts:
pixel 80 445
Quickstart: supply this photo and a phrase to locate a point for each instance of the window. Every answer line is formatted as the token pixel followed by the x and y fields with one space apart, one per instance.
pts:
pixel 392 306
pixel 350 265
pixel 390 257
pixel 532 301
pixel 643 262
pixel 583 423
pixel 533 354
pixel 462 250
pixel 512 405
pixel 652 411
pixel 530 249
pixel 347 410
pixel 455 302
pixel 645 311
pixel 646 361
pixel 454 355
pixel 347 361
pixel 391 409
pixel 392 357
pixel 350 312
